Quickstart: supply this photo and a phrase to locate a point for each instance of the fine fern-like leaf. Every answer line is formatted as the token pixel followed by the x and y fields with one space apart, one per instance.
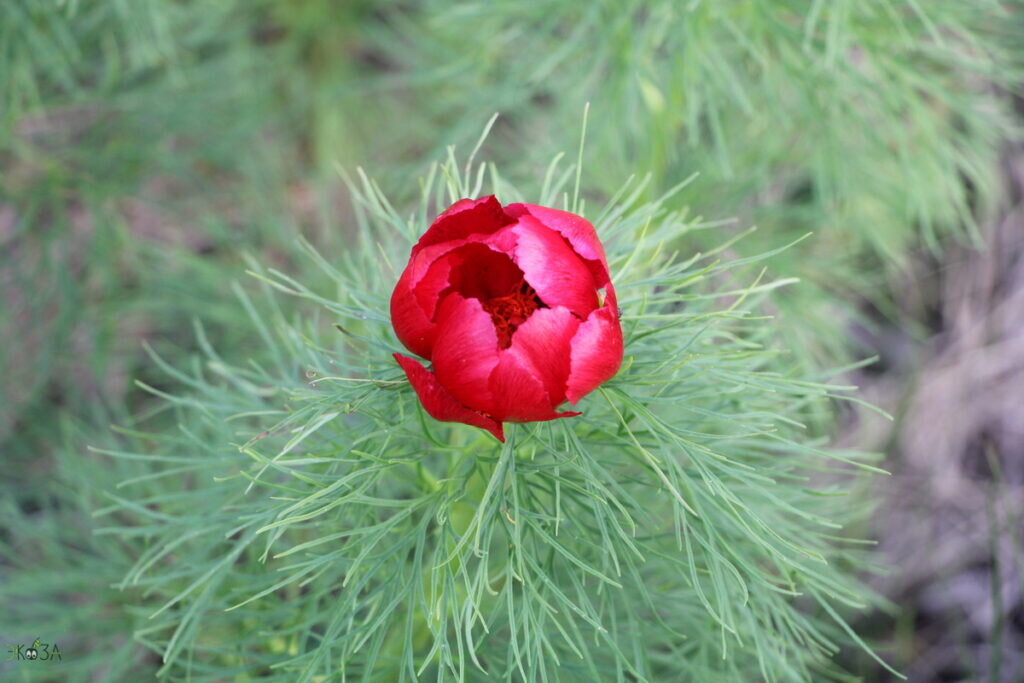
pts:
pixel 308 522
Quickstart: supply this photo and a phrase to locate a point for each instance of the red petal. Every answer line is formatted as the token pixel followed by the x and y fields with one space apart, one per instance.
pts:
pixel 543 345
pixel 435 281
pixel 553 269
pixel 441 405
pixel 611 300
pixel 466 351
pixel 518 395
pixel 438 267
pixel 412 321
pixel 576 229
pixel 464 218
pixel 414 329
pixel 596 351
pixel 478 271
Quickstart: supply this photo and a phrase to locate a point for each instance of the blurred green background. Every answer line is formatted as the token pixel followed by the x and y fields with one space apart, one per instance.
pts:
pixel 147 147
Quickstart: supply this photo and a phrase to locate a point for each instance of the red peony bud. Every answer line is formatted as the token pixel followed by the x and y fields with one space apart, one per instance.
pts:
pixel 506 302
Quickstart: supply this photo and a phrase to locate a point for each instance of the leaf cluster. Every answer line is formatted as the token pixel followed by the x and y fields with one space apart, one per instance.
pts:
pixel 307 521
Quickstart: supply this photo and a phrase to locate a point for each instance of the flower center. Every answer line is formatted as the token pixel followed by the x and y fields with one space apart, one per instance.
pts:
pixel 511 310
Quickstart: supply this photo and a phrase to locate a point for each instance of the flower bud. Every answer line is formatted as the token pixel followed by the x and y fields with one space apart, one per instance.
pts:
pixel 515 309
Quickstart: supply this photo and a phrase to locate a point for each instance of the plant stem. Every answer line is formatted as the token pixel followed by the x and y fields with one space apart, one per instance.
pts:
pixel 462 512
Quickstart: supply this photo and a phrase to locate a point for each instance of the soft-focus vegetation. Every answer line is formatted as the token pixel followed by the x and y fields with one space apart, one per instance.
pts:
pixel 152 150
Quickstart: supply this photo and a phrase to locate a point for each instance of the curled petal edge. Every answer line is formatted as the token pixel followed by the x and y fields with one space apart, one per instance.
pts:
pixel 519 395
pixel 555 270
pixel 543 345
pixel 441 405
pixel 412 326
pixel 597 350
pixel 465 217
pixel 577 231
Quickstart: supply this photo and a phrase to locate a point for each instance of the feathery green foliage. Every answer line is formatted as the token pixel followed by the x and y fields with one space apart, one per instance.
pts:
pixel 871 124
pixel 306 520
pixel 875 125
pixel 862 119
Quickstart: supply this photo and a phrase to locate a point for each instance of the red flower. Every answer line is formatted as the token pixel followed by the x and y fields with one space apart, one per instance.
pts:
pixel 514 307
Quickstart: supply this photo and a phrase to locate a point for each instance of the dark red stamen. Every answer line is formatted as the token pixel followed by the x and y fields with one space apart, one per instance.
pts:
pixel 510 311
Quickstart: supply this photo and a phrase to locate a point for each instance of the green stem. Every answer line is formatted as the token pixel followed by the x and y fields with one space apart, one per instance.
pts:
pixel 460 517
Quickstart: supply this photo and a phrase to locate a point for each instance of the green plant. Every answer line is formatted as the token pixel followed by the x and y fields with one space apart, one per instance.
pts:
pixel 877 126
pixel 853 118
pixel 306 521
